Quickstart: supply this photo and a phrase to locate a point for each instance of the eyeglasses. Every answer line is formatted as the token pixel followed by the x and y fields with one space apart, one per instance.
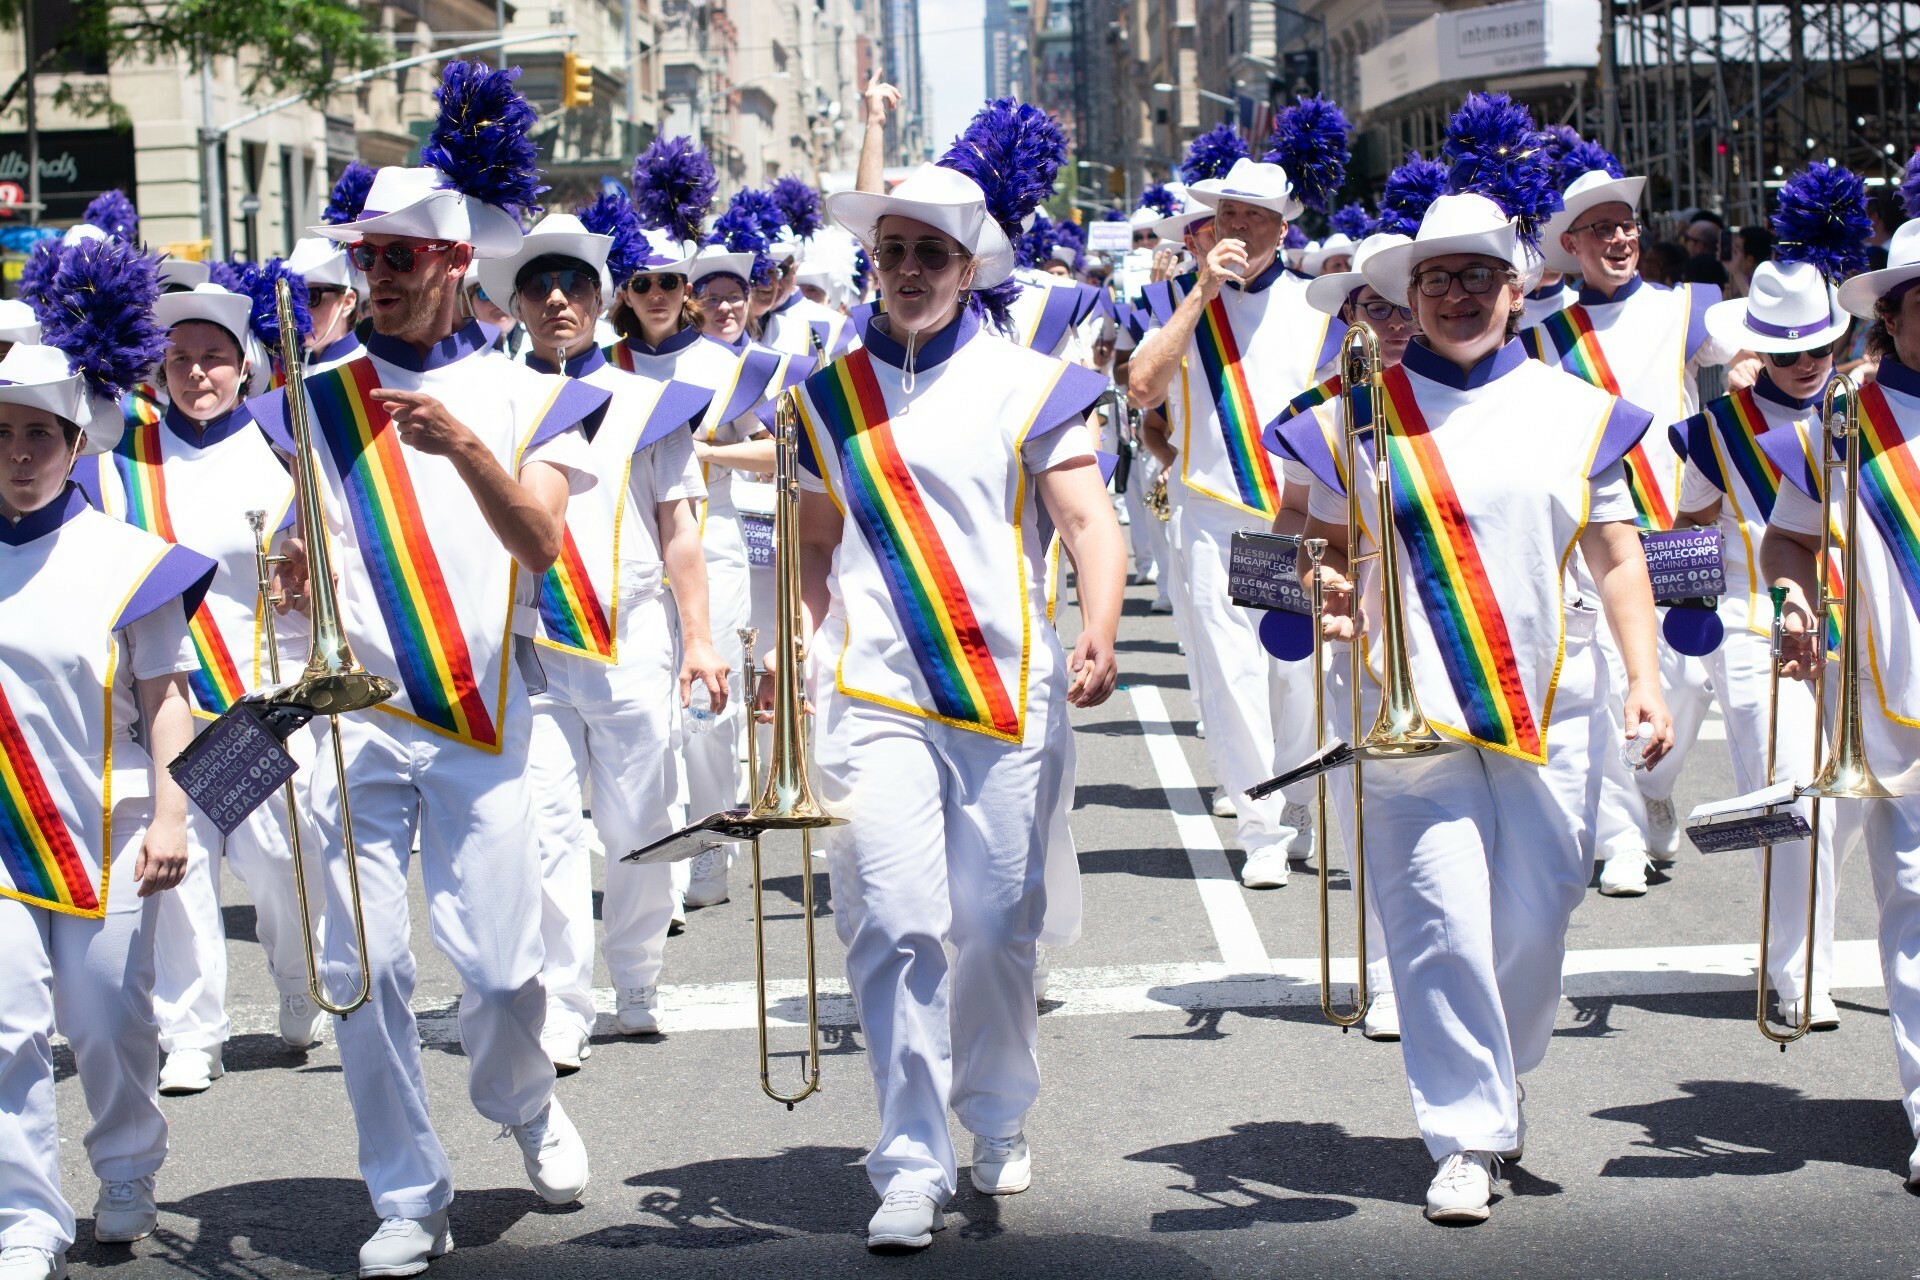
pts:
pixel 401 257
pixel 577 285
pixel 1788 359
pixel 669 283
pixel 1606 228
pixel 320 292
pixel 1379 310
pixel 934 256
pixel 1475 280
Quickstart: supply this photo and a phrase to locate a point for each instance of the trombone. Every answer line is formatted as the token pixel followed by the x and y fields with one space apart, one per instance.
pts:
pixel 332 683
pixel 1842 773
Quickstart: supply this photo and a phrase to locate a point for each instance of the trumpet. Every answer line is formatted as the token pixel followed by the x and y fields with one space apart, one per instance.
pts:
pixel 332 683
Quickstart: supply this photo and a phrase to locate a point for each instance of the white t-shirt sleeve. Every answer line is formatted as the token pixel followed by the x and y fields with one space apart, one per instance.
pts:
pixel 158 644
pixel 1609 497
pixel 1295 472
pixel 570 452
pixel 676 472
pixel 1323 504
pixel 1794 511
pixel 1696 491
pixel 1057 448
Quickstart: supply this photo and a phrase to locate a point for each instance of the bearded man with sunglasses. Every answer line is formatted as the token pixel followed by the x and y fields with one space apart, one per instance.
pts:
pixel 446 469
pixel 1644 344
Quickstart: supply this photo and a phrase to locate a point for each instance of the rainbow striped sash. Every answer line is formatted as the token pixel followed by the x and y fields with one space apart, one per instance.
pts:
pixel 139 459
pixel 1312 398
pixel 1576 348
pixel 928 596
pixel 1468 626
pixel 35 846
pixel 429 644
pixel 622 356
pixel 571 609
pixel 1233 401
pixel 1890 487
pixel 1740 424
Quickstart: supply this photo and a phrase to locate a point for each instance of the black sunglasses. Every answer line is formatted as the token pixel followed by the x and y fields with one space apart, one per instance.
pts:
pixel 643 283
pixel 401 257
pixel 1475 280
pixel 1788 359
pixel 577 285
pixel 934 256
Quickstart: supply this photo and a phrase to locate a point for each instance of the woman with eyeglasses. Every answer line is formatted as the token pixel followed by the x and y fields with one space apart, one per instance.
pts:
pixel 322 266
pixel 1479 853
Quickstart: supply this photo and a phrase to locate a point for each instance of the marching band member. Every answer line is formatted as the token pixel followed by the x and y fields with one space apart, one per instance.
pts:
pixel 609 646
pixel 189 469
pixel 93 642
pixel 940 689
pixel 331 301
pixel 1889 602
pixel 1238 344
pixel 446 470
pixel 790 321
pixel 1645 344
pixel 1479 854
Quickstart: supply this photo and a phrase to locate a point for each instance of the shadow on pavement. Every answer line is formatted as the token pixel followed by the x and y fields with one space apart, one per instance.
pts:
pixel 727 1203
pixel 1748 1128
pixel 1230 1176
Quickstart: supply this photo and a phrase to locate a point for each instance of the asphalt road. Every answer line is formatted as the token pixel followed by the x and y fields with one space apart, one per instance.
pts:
pixel 1198 1118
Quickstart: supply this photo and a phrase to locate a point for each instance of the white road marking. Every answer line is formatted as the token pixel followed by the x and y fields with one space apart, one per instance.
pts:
pixel 1233 927
pixel 1713 728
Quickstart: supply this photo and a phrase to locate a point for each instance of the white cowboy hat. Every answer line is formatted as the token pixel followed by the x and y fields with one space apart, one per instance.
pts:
pixel 1143 218
pixel 211 303
pixel 317 261
pixel 18 323
pixel 1592 188
pixel 1332 247
pixel 714 260
pixel 180 273
pixel 660 252
pixel 787 246
pixel 1903 267
pixel 557 233
pixel 1329 293
pixel 423 204
pixel 944 199
pixel 1466 223
pixel 1255 182
pixel 1787 308
pixel 43 378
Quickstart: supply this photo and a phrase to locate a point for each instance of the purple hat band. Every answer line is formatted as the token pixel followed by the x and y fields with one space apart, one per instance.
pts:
pixel 1788 331
pixel 656 259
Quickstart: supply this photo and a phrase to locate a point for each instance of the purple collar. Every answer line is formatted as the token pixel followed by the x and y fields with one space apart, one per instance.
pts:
pixel 1546 291
pixel 339 349
pixel 1764 388
pixel 678 341
pixel 1595 298
pixel 1897 377
pixel 204 435
pixel 1264 281
pixel 43 521
pixel 928 352
pixel 793 299
pixel 1429 364
pixel 470 339
pixel 577 366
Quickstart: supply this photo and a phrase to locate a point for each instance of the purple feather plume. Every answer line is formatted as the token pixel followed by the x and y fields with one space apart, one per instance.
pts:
pixel 1910 187
pixel 862 269
pixel 749 225
pixel 483 139
pixel 1822 219
pixel 349 195
pixel 611 213
pixel 265 318
pixel 1559 140
pixel 1073 236
pixel 1494 149
pixel 800 204
pixel 1587 157
pixel 1409 190
pixel 36 276
pixel 1112 215
pixel 1351 220
pixel 98 309
pixel 1310 142
pixel 1032 247
pixel 995 305
pixel 1211 155
pixel 1013 151
pixel 673 187
pixel 114 214
pixel 1160 199
pixel 1296 237
pixel 228 276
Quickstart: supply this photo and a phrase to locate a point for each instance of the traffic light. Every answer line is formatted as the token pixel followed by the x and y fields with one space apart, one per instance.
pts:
pixel 576 81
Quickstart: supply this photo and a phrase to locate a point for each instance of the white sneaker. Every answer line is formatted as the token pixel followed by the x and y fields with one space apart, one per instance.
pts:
pixel 906 1220
pixel 1383 1017
pixel 125 1211
pixel 566 1047
pixel 1302 847
pixel 1460 1191
pixel 638 1011
pixel 1001 1166
pixel 300 1021
pixel 707 884
pixel 555 1157
pixel 1826 1014
pixel 25 1262
pixel 1223 806
pixel 1663 831
pixel 1160 605
pixel 1266 868
pixel 404 1246
pixel 189 1071
pixel 1042 971
pixel 1624 875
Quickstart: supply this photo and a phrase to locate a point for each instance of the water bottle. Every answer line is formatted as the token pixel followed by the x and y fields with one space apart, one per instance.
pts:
pixel 701 719
pixel 1633 753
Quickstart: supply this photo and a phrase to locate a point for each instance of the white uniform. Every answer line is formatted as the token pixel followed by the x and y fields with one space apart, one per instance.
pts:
pixel 339 351
pixel 1545 300
pixel 1889 650
pixel 1726 463
pixel 607 647
pixel 942 733
pixel 92 606
pixel 194 483
pixel 1478 856
pixel 429 597
pixel 1046 314
pixel 800 326
pixel 1255 348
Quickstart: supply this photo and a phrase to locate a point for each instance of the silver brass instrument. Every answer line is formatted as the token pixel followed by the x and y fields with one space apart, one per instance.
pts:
pixel 332 683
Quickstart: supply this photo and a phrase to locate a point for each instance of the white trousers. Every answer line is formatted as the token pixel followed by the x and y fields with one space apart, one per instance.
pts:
pixel 1145 531
pixel 1892 835
pixel 712 757
pixel 1478 862
pixel 93 979
pixel 190 934
pixel 1621 827
pixel 473 813
pixel 1257 708
pixel 613 725
pixel 1735 675
pixel 946 843
pixel 1340 808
